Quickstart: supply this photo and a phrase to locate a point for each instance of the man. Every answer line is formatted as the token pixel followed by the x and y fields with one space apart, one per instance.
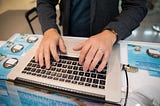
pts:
pixel 99 20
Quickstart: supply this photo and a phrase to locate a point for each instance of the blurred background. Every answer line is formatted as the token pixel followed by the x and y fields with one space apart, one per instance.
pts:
pixel 12 20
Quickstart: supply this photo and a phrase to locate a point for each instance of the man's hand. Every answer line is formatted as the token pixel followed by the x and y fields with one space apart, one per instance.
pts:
pixel 48 45
pixel 96 48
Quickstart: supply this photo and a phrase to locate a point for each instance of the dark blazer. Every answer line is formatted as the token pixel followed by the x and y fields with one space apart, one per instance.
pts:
pixel 104 14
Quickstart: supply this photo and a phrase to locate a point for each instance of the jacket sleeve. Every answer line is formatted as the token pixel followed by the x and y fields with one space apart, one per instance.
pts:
pixel 133 12
pixel 47 14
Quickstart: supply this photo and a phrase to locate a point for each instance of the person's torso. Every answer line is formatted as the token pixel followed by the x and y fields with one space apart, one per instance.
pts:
pixel 80 18
pixel 97 15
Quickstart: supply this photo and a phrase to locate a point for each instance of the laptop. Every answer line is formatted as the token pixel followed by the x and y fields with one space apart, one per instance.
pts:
pixel 67 75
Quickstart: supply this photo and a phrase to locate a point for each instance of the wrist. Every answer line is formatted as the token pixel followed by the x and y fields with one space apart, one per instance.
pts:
pixel 112 35
pixel 50 30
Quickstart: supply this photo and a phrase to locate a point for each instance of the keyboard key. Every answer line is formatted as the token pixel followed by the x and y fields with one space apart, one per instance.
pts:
pixel 33 73
pixel 23 71
pixel 74 63
pixel 83 79
pixel 102 82
pixel 102 72
pixel 96 81
pixel 69 71
pixel 87 84
pixel 42 71
pixel 49 77
pixel 101 76
pixel 70 77
pixel 74 82
pixel 69 62
pixel 64 75
pixel 39 75
pixel 94 85
pixel 75 67
pixel 101 87
pixel 38 71
pixel 33 65
pixel 64 70
pixel 55 78
pixel 61 79
pixel 58 70
pixel 29 64
pixel 38 66
pixel 64 66
pixel 81 73
pixel 33 60
pixel 28 72
pixel 89 80
pixel 67 80
pixel 80 83
pixel 53 73
pixel 77 78
pixel 48 72
pixel 87 74
pixel 44 76
pixel 63 61
pixel 75 72
pixel 81 68
pixel 70 67
pixel 59 65
pixel 93 75
pixel 54 63
pixel 59 74
pixel 53 68
pixel 27 68
pixel 33 69
pixel 43 67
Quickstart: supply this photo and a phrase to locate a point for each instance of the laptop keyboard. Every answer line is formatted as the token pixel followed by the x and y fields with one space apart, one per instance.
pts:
pixel 68 70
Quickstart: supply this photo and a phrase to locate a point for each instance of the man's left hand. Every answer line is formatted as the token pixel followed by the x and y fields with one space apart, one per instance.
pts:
pixel 96 49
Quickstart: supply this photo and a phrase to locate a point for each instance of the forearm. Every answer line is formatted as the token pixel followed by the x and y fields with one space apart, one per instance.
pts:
pixel 133 12
pixel 47 14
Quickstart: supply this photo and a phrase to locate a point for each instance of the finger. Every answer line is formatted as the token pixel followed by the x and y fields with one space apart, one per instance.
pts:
pixel 79 47
pixel 54 52
pixel 47 56
pixel 62 47
pixel 96 59
pixel 41 61
pixel 36 55
pixel 89 57
pixel 83 53
pixel 104 62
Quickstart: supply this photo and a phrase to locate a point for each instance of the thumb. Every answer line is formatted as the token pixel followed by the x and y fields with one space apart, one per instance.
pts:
pixel 78 47
pixel 62 47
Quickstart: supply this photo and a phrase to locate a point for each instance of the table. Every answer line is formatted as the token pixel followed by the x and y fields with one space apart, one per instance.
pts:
pixel 20 94
pixel 139 92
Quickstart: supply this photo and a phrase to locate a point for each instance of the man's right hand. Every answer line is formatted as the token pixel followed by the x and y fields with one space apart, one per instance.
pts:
pixel 51 40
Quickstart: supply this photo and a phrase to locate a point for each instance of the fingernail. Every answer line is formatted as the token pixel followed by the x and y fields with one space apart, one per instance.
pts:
pixel 57 60
pixel 41 65
pixel 48 67
pixel 99 70
pixel 90 69
pixel 80 63
pixel 85 69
